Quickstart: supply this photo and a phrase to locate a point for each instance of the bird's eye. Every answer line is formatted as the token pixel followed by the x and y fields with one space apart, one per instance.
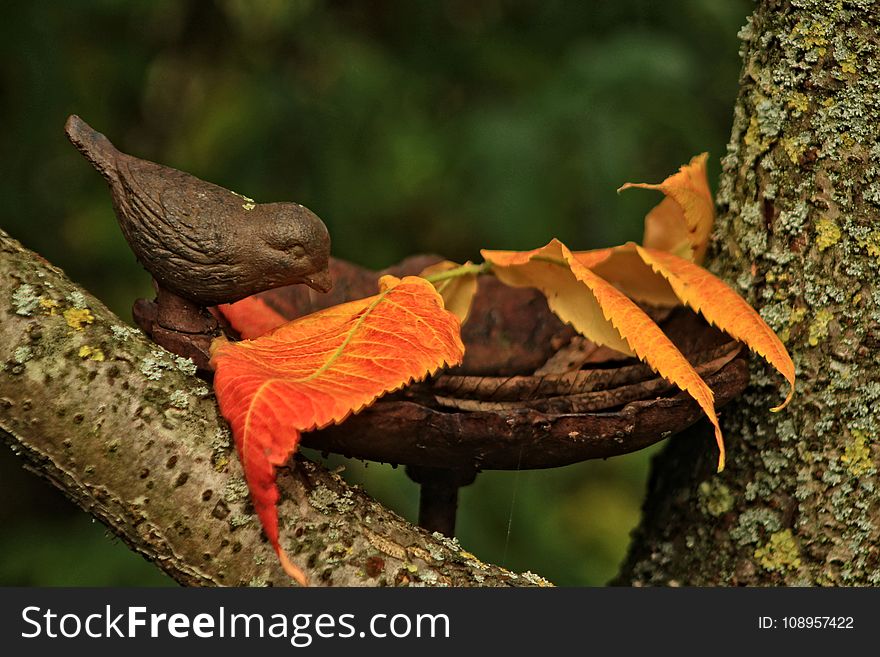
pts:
pixel 289 245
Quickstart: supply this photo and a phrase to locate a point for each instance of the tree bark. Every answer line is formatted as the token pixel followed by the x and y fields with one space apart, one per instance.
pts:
pixel 797 235
pixel 130 434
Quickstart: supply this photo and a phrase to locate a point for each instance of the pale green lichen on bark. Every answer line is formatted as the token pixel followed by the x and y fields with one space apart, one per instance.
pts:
pixel 236 489
pixel 827 233
pixel 25 299
pixel 179 399
pixel 780 554
pixel 715 498
pixel 326 500
pixel 799 201
pixel 857 455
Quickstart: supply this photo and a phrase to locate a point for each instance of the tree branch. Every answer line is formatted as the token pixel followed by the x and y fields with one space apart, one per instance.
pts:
pixel 128 433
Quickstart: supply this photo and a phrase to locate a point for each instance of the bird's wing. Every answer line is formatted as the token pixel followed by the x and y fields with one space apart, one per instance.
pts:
pixel 185 215
pixel 197 215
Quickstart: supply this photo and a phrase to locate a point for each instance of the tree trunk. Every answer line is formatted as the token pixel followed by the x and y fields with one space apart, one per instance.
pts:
pixel 797 235
pixel 128 432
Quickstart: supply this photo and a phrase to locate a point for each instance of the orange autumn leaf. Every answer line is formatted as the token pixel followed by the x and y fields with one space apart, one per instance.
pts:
pixel 457 291
pixel 624 269
pixel 570 298
pixel 251 317
pixel 682 222
pixel 319 369
pixel 592 258
pixel 602 313
pixel 723 307
pixel 663 279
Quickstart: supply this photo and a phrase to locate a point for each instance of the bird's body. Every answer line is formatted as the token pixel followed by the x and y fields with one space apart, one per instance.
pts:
pixel 200 241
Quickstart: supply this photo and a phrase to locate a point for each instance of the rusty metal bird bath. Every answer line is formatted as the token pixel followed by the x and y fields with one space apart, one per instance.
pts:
pixel 504 408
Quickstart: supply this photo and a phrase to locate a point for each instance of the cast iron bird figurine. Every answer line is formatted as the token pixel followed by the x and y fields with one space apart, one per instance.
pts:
pixel 204 245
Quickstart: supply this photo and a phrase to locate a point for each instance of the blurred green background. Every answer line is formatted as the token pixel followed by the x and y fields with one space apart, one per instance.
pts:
pixel 408 127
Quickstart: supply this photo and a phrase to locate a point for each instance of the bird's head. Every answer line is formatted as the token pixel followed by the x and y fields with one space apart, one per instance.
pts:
pixel 296 245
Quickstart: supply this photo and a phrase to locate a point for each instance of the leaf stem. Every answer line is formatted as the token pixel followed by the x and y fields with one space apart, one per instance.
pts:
pixel 463 270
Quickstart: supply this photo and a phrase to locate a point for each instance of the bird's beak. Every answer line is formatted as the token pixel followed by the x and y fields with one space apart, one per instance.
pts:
pixel 320 281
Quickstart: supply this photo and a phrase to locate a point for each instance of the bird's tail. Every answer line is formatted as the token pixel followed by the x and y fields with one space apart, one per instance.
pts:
pixel 96 148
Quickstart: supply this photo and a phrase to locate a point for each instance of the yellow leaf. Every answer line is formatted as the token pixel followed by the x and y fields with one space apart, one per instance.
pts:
pixel 594 257
pixel 682 222
pixel 457 292
pixel 599 311
pixel 568 297
pixel 721 306
pixel 625 270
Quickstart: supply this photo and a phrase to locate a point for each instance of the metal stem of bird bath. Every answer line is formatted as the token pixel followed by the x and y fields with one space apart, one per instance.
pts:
pixel 438 498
